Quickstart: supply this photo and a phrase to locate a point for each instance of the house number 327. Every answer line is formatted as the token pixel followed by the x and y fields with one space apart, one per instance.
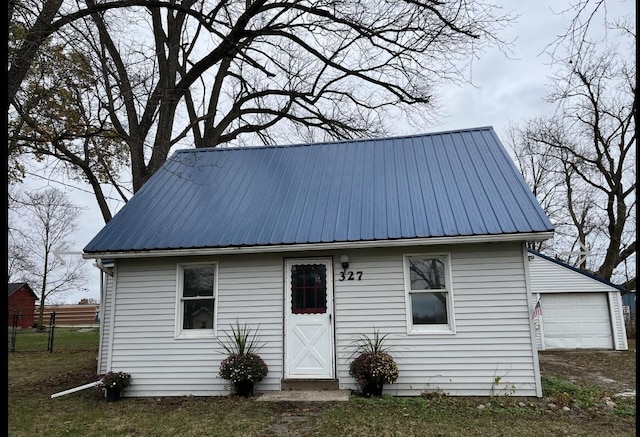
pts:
pixel 350 276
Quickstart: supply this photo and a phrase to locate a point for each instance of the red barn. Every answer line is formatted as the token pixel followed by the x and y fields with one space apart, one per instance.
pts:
pixel 22 300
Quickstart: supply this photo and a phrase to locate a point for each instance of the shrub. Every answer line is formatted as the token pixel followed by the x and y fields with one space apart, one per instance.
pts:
pixel 368 367
pixel 373 365
pixel 119 380
pixel 241 340
pixel 246 367
pixel 242 364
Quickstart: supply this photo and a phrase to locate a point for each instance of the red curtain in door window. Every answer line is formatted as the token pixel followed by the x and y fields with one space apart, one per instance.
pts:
pixel 308 289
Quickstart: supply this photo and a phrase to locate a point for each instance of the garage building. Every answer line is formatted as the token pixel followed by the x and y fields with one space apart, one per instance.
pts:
pixel 578 309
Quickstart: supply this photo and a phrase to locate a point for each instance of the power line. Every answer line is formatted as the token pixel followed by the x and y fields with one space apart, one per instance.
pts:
pixel 75 187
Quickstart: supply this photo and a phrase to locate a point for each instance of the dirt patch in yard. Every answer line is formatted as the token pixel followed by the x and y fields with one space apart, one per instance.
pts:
pixel 610 371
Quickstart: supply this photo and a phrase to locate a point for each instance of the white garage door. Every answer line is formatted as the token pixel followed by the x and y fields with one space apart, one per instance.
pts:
pixel 576 321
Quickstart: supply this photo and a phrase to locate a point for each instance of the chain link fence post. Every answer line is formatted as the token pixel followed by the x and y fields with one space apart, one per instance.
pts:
pixel 14 323
pixel 52 327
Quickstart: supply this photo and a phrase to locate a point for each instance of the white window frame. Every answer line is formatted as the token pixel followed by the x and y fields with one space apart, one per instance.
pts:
pixel 448 328
pixel 181 333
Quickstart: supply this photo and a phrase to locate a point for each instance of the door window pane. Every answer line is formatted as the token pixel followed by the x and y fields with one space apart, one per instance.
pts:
pixel 309 288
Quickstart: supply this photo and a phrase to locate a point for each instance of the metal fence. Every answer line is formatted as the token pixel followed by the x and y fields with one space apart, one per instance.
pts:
pixel 14 322
pixel 34 343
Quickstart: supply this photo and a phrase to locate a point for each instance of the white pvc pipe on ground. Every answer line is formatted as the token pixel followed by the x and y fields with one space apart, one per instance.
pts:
pixel 73 390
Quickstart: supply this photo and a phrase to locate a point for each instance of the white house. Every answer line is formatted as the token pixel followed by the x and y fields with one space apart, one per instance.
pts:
pixel 422 237
pixel 579 310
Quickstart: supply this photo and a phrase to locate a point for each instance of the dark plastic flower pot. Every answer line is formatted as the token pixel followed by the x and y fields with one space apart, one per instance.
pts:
pixel 112 394
pixel 244 388
pixel 373 389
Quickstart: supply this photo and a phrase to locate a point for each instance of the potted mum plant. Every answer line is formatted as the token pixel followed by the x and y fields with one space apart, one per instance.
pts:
pixel 243 366
pixel 373 366
pixel 113 384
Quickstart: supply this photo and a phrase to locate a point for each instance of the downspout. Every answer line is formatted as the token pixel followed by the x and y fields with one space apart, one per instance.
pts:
pixel 112 315
pixel 103 299
pixel 103 272
pixel 75 389
pixel 532 330
pixel 101 266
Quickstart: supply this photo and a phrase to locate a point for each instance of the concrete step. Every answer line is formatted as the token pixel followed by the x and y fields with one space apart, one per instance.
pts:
pixel 304 396
pixel 309 384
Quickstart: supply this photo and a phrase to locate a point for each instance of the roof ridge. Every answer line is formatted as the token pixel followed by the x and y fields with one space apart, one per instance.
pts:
pixel 327 143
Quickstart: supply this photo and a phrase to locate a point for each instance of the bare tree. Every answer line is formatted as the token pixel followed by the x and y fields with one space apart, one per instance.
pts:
pixel 231 72
pixel 37 21
pixel 18 260
pixel 48 219
pixel 581 161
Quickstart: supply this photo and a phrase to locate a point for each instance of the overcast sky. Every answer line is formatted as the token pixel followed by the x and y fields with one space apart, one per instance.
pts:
pixel 506 91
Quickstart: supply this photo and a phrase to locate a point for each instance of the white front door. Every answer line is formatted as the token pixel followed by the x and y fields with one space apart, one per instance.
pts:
pixel 308 323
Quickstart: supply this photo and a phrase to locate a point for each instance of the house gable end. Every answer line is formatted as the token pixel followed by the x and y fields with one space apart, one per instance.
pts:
pixel 582 277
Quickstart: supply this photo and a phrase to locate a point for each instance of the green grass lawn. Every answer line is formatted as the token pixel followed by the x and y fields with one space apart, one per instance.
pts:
pixel 64 340
pixel 35 376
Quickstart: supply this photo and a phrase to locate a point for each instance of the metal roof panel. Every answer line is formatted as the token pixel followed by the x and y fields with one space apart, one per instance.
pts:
pixel 455 183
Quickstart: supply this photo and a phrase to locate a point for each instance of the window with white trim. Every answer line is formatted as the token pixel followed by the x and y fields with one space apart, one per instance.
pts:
pixel 429 297
pixel 196 299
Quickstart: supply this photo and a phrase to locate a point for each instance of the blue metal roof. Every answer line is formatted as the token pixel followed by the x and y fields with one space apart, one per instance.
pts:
pixel 446 184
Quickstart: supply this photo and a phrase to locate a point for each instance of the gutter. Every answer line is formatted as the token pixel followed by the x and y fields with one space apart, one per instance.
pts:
pixel 297 247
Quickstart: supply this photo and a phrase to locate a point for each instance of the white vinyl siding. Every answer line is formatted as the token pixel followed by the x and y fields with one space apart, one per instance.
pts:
pixel 493 328
pixel 143 335
pixel 493 332
pixel 548 277
pixel 617 315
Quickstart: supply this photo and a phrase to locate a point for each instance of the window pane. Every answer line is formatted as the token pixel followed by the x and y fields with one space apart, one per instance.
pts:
pixel 309 288
pixel 429 308
pixel 426 273
pixel 198 281
pixel 198 314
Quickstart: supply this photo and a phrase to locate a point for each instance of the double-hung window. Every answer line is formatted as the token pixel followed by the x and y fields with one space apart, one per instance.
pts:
pixel 196 309
pixel 429 295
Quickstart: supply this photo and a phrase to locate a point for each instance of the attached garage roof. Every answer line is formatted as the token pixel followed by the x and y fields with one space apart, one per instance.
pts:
pixel 583 273
pixel 447 184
